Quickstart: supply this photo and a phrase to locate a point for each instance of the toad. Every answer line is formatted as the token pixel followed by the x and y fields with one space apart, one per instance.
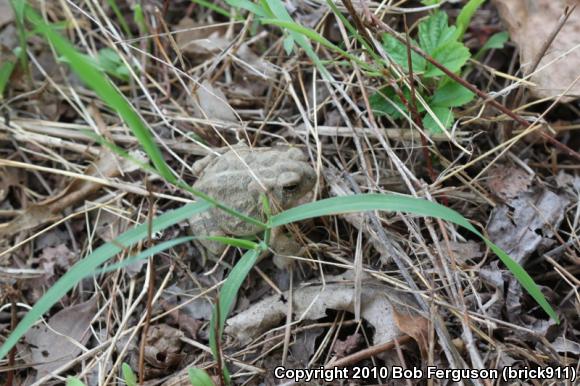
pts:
pixel 236 178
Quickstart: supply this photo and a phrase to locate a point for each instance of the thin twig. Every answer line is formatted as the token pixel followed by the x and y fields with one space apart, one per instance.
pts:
pixel 368 352
pixel 150 289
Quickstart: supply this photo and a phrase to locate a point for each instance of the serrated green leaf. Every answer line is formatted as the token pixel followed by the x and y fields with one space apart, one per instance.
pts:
pixel 444 116
pixel 398 52
pixel 452 55
pixel 387 102
pixel 434 32
pixel 451 94
pixel 199 377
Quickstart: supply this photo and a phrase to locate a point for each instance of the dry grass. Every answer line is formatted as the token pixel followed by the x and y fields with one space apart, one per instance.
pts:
pixel 275 98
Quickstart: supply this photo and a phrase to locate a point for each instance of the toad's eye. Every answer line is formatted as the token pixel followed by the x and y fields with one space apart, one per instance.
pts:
pixel 291 188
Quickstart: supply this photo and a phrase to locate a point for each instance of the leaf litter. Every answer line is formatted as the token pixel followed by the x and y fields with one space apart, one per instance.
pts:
pixel 253 90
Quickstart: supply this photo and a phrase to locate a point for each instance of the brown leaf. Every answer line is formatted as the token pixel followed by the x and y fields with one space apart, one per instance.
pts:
pixel 508 182
pixel 342 348
pixel 417 327
pixel 530 24
pixel 212 104
pixel 52 347
pixel 6 14
pixel 200 41
pixel 106 166
pixel 163 349
pixel 527 222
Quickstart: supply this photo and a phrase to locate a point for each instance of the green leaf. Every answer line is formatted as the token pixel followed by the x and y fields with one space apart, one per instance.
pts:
pixel 451 94
pixel 496 41
pixel 406 204
pixel 248 5
pixel 444 117
pixel 228 294
pixel 199 377
pixel 72 381
pixel 465 16
pixel 434 32
pixel 398 53
pixel 110 62
pixel 452 55
pixel 90 263
pixel 5 72
pixel 235 242
pixel 387 102
pixel 214 7
pixel 128 375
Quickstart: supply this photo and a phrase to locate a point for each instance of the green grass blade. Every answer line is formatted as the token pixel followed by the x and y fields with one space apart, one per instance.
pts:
pixel 86 70
pixel 199 377
pixel 465 16
pixel 120 17
pixel 91 262
pixel 313 35
pixel 6 69
pixel 157 248
pixel 228 295
pixel 391 202
pixel 214 7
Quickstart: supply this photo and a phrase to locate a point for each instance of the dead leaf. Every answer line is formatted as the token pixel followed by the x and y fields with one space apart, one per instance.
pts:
pixel 53 347
pixel 527 222
pixel 163 349
pixel 6 14
pixel 200 41
pixel 416 326
pixel 312 302
pixel 213 104
pixel 563 345
pixel 59 257
pixel 342 348
pixel 107 166
pixel 530 24
pixel 9 177
pixel 304 345
pixel 508 182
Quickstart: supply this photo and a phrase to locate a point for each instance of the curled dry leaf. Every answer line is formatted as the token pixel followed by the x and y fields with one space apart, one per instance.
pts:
pixel 563 345
pixel 527 222
pixel 508 182
pixel 312 303
pixel 212 103
pixel 55 346
pixel 200 41
pixel 163 349
pixel 416 326
pixel 558 68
